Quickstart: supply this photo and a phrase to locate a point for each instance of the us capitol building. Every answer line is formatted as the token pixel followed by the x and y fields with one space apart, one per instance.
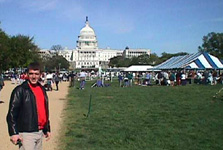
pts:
pixel 88 55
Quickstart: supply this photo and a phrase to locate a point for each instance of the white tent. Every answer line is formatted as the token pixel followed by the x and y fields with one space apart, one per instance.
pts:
pixel 200 60
pixel 138 68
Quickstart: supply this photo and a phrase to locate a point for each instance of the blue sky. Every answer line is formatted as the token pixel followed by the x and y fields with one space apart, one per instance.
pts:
pixel 160 25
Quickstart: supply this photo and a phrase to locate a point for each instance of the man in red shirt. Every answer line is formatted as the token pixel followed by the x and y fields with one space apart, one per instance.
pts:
pixel 28 115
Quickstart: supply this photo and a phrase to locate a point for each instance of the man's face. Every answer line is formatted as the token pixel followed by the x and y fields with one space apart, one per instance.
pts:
pixel 34 76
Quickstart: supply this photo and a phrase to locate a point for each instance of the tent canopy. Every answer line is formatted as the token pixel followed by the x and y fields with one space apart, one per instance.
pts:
pixel 138 68
pixel 200 60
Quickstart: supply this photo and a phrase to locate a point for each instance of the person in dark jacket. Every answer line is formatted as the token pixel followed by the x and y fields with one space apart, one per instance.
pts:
pixel 28 114
pixel 57 80
pixel 2 84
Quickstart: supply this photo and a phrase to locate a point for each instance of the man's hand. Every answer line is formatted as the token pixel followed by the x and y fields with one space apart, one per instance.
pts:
pixel 48 136
pixel 15 138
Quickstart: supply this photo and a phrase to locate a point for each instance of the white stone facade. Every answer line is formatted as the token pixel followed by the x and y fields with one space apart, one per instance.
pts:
pixel 88 55
pixel 129 53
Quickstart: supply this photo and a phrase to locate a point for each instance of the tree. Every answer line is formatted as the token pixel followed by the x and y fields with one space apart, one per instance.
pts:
pixel 17 51
pixel 114 61
pixel 213 44
pixel 57 48
pixel 134 61
pixel 126 62
pixel 146 59
pixel 56 62
pixel 4 50
pixel 153 59
pixel 22 51
pixel 143 59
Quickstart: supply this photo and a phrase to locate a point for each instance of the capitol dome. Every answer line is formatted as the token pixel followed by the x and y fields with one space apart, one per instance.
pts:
pixel 87 38
pixel 87 30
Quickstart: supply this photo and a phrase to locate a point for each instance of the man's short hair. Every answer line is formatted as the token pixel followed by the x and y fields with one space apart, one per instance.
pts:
pixel 34 66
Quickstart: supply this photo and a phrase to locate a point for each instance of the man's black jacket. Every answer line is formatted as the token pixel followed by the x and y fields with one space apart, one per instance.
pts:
pixel 22 115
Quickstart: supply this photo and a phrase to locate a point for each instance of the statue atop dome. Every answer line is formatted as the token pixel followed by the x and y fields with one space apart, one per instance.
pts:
pixel 87 38
pixel 86 22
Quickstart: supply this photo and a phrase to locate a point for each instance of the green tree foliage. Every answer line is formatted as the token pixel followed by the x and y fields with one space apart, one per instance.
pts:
pixel 114 61
pixel 153 59
pixel 17 51
pixel 126 62
pixel 4 50
pixel 134 61
pixel 213 44
pixel 119 61
pixel 22 51
pixel 55 62
pixel 143 59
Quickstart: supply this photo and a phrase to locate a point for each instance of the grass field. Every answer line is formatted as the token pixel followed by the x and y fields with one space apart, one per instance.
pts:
pixel 137 118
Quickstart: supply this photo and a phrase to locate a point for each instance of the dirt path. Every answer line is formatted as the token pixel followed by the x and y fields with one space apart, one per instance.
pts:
pixel 57 100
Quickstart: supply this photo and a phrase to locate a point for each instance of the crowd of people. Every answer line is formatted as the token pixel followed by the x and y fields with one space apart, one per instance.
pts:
pixel 52 79
pixel 125 79
pixel 170 78
pixel 47 79
pixel 28 126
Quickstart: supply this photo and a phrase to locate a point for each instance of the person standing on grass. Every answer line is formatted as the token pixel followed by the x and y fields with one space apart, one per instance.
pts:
pixel 178 77
pixel 160 77
pixel 28 114
pixel 49 81
pixel 71 79
pixel 120 79
pixel 183 78
pixel 147 78
pixel 1 85
pixel 126 81
pixel 172 78
pixel 130 78
pixel 82 78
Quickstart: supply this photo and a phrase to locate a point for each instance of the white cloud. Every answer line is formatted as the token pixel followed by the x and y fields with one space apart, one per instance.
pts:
pixel 70 10
pixel 77 11
pixel 40 5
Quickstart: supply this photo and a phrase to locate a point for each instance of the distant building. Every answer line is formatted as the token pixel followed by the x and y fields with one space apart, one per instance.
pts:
pixel 129 53
pixel 88 55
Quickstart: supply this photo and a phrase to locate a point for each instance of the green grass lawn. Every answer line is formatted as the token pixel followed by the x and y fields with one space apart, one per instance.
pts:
pixel 137 118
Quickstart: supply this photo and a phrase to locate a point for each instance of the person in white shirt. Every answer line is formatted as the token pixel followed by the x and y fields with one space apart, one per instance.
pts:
pixel 49 81
pixel 183 79
pixel 82 77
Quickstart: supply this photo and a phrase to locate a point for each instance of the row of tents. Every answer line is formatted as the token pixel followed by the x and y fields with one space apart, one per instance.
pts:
pixel 199 61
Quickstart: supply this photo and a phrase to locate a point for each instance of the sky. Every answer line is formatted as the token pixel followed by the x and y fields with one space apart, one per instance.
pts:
pixel 169 26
